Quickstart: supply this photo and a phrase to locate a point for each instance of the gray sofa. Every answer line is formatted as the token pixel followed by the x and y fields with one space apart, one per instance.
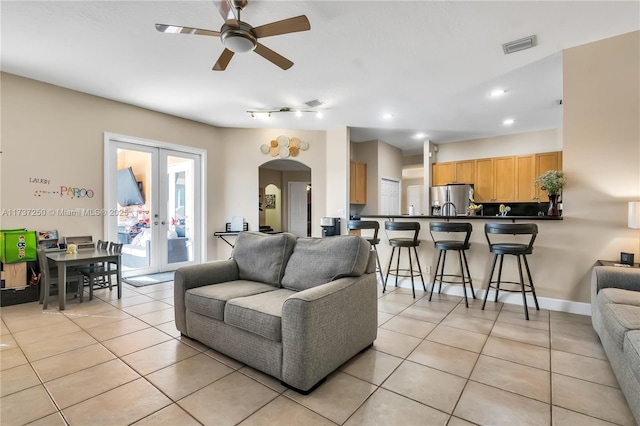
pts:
pixel 294 308
pixel 615 314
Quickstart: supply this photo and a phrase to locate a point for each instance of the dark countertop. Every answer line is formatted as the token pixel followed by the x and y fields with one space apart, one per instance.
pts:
pixel 447 218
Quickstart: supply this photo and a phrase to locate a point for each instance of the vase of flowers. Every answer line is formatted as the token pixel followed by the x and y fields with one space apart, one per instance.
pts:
pixel 552 181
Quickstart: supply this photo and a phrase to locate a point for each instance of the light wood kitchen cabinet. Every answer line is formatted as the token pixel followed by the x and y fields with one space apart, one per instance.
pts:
pixel 453 172
pixel 525 175
pixel 495 180
pixel 544 162
pixel 483 185
pixel 500 179
pixel 465 171
pixel 442 173
pixel 504 179
pixel 357 183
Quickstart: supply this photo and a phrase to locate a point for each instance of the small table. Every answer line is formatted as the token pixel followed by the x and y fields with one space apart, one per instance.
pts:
pixel 224 234
pixel 614 263
pixel 82 257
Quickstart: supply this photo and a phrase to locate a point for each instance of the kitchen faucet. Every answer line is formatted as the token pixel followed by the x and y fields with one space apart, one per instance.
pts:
pixel 453 205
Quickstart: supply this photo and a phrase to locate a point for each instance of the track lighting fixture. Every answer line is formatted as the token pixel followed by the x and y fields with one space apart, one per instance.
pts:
pixel 297 112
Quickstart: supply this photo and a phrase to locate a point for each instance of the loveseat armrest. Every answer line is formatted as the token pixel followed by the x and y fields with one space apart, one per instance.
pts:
pixel 324 326
pixel 193 276
pixel 612 276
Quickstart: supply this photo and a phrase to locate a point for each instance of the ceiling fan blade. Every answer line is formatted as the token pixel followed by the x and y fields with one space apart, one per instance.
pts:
pixel 223 60
pixel 274 57
pixel 175 29
pixel 226 11
pixel 286 26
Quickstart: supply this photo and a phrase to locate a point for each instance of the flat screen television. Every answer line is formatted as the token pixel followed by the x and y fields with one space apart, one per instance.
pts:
pixel 129 193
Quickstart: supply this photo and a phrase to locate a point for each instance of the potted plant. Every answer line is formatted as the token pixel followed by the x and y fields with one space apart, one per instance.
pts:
pixel 552 181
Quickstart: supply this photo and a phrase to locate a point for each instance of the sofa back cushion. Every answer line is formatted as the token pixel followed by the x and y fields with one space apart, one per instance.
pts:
pixel 317 261
pixel 263 257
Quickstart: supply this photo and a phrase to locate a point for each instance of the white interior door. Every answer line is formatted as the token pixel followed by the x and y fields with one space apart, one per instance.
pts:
pixel 298 208
pixel 156 196
pixel 389 196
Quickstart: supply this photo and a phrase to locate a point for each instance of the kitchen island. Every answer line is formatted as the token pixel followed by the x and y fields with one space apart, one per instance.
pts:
pixel 545 262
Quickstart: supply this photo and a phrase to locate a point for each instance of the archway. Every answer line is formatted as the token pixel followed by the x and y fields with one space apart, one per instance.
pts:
pixel 284 188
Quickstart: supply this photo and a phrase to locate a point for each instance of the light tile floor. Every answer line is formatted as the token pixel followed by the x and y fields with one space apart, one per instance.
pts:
pixel 118 362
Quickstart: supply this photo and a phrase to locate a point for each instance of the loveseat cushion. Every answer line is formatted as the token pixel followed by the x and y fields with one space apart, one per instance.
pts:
pixel 619 319
pixel 316 261
pixel 209 300
pixel 631 352
pixel 618 295
pixel 260 314
pixel 263 257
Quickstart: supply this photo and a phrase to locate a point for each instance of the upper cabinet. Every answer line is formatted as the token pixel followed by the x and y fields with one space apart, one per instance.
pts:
pixel 453 172
pixel 504 178
pixel 357 182
pixel 442 173
pixel 525 175
pixel 494 179
pixel 483 184
pixel 499 179
pixel 545 162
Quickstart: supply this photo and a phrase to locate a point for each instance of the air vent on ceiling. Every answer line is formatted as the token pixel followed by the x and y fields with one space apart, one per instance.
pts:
pixel 314 103
pixel 518 45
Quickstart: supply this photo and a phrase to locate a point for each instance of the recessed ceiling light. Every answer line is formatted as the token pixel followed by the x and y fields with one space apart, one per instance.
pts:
pixel 508 121
pixel 420 135
pixel 498 93
pixel 298 113
pixel 387 116
pixel 320 114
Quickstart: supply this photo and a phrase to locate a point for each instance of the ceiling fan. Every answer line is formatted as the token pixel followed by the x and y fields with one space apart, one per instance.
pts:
pixel 239 37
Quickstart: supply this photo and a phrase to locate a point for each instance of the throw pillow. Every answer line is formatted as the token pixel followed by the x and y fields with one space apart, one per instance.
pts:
pixel 263 257
pixel 317 261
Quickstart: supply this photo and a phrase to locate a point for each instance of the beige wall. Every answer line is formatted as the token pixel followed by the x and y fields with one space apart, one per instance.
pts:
pixel 367 152
pixel 516 144
pixel 383 161
pixel 601 153
pixel 56 134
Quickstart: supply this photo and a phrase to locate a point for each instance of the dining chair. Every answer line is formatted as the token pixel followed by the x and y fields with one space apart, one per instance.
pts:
pixel 49 279
pixel 98 275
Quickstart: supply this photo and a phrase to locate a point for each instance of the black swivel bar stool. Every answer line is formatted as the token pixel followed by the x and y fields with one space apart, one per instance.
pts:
pixel 450 243
pixel 520 250
pixel 408 243
pixel 354 225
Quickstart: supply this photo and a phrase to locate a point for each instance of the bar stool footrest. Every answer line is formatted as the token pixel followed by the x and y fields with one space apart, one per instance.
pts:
pixel 519 284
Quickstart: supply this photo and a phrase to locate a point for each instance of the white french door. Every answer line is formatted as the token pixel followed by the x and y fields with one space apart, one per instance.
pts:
pixel 154 197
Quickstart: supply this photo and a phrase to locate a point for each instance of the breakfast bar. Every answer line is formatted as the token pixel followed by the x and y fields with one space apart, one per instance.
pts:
pixel 543 261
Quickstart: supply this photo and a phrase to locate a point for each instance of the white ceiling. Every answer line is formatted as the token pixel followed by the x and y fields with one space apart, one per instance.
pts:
pixel 431 64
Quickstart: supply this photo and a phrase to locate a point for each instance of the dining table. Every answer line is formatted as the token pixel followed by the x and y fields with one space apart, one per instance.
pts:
pixel 64 260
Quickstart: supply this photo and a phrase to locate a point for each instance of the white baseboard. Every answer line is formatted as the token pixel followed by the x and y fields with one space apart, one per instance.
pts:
pixel 559 305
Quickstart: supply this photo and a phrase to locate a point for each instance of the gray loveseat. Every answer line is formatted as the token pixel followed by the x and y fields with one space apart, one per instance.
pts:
pixel 294 308
pixel 615 313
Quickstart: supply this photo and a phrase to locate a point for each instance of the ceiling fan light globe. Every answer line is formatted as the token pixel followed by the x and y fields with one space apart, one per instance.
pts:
pixel 238 39
pixel 239 44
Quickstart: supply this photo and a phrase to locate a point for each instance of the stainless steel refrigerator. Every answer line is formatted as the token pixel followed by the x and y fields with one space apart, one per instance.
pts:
pixel 451 200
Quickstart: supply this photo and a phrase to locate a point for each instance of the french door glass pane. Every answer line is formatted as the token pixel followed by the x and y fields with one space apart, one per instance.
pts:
pixel 180 208
pixel 134 207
